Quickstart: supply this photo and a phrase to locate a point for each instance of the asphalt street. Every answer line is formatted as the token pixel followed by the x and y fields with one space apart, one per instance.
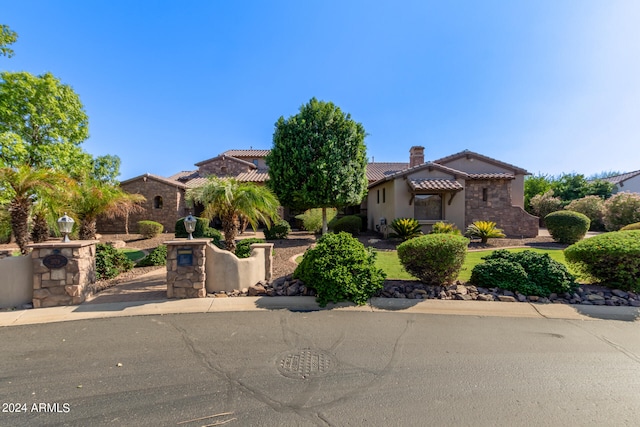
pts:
pixel 334 368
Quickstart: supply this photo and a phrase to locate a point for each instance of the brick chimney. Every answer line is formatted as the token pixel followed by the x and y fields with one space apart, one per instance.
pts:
pixel 416 156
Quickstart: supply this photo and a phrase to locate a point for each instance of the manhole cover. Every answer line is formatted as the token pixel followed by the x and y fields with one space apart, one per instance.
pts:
pixel 305 363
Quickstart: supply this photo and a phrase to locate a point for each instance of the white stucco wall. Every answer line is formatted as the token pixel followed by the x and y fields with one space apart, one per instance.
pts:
pixel 226 272
pixel 16 281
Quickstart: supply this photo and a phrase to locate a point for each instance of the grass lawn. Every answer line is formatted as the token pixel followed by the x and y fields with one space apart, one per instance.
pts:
pixel 133 254
pixel 389 262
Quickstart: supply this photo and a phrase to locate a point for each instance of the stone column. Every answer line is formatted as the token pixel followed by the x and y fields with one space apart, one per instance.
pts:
pixel 62 272
pixel 186 268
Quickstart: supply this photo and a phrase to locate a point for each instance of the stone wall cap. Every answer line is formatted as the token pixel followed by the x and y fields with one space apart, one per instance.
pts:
pixel 59 244
pixel 184 241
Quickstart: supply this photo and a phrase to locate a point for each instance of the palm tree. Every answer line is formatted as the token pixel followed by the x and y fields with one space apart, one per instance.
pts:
pixel 96 198
pixel 230 199
pixel 26 186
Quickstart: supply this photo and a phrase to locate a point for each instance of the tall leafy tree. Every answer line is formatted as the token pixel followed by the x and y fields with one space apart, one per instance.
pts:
pixel 535 185
pixel 230 200
pixel 7 37
pixel 318 159
pixel 42 123
pixel 26 185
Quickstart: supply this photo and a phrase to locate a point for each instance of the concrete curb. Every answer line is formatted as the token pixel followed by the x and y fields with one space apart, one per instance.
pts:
pixel 377 305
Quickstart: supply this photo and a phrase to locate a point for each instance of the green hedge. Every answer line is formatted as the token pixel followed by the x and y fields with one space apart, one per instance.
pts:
pixel 340 268
pixel 527 272
pixel 149 229
pixel 277 231
pixel 613 259
pixel 634 226
pixel 243 249
pixel 435 259
pixel 110 262
pixel 350 224
pixel 158 256
pixel 567 226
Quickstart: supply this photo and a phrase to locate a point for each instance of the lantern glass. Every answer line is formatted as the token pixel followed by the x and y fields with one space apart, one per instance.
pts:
pixel 190 225
pixel 65 225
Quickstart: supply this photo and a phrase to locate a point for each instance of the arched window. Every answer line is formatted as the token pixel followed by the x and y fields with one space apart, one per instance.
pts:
pixel 157 202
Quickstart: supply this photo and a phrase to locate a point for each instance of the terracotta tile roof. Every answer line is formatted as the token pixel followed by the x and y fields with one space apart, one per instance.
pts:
pixel 246 153
pixel 491 176
pixel 155 178
pixel 196 182
pixel 453 172
pixel 434 185
pixel 622 177
pixel 184 176
pixel 223 156
pixel 255 175
pixel 468 153
pixel 378 171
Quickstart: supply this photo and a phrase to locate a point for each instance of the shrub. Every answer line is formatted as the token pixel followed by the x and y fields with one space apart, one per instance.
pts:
pixel 5 225
pixel 149 229
pixel 278 230
pixel 543 275
pixel 312 219
pixel 110 262
pixel 613 259
pixel 567 226
pixel 158 256
pixel 592 207
pixel 340 268
pixel 243 249
pixel 444 228
pixel 620 210
pixel 543 204
pixel 484 230
pixel 350 224
pixel 405 228
pixel 434 259
pixel 202 231
pixel 634 226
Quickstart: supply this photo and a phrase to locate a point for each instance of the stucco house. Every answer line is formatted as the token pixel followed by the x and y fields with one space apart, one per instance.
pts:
pixel 629 181
pixel 460 188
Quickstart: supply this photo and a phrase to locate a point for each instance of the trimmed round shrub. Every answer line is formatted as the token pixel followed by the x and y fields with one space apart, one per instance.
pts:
pixel 149 229
pixel 340 268
pixel 634 226
pixel 567 226
pixel 613 259
pixel 435 259
pixel 277 231
pixel 350 224
pixel 543 275
pixel 592 207
pixel 620 210
pixel 110 262
pixel 243 248
pixel 158 256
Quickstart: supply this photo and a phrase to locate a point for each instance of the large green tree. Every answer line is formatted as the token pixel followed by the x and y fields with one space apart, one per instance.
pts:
pixel 7 37
pixel 318 159
pixel 231 199
pixel 42 123
pixel 24 186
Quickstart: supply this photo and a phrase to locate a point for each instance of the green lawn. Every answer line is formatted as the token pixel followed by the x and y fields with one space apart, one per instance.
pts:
pixel 133 254
pixel 389 262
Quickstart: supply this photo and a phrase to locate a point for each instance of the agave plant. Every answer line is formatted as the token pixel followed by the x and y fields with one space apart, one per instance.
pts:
pixel 405 228
pixel 484 230
pixel 444 228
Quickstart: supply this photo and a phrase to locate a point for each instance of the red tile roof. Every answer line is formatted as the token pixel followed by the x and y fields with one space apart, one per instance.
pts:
pixel 377 171
pixel 246 153
pixel 434 185
pixel 622 177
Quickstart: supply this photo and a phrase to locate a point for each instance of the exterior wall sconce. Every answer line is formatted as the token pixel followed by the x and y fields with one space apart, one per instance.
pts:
pixel 65 225
pixel 190 225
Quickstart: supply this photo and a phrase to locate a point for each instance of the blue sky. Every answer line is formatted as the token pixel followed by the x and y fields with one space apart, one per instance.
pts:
pixel 549 85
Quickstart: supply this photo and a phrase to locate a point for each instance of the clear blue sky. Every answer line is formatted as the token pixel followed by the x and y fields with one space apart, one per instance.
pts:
pixel 549 85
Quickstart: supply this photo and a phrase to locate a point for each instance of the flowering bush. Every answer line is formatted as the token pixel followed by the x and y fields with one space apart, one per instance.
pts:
pixel 621 209
pixel 592 207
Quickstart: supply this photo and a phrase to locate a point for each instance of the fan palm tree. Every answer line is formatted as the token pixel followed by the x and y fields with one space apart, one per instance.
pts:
pixel 95 198
pixel 230 199
pixel 26 186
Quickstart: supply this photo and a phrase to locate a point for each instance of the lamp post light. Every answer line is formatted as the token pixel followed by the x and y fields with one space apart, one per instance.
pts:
pixel 190 225
pixel 65 225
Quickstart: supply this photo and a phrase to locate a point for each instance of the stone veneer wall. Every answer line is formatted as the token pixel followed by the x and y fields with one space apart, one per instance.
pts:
pixel 68 285
pixel 515 221
pixel 186 281
pixel 223 166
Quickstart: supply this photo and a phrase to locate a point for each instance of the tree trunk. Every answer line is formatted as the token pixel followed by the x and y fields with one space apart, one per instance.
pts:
pixel 324 221
pixel 87 230
pixel 40 230
pixel 19 211
pixel 126 223
pixel 230 230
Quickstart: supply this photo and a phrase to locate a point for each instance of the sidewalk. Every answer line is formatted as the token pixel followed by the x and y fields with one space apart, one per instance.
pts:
pixel 382 305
